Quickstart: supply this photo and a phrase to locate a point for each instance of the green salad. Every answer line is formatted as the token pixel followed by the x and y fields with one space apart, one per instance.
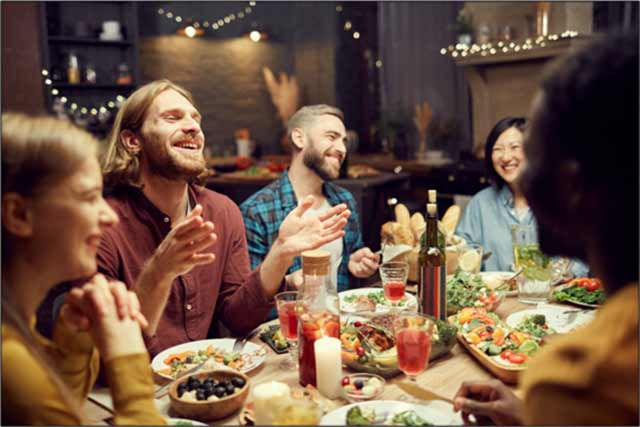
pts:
pixel 366 416
pixel 579 294
pixel 536 326
pixel 376 297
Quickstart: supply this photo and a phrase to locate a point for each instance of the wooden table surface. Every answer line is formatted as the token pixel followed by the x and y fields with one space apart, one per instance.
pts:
pixel 444 375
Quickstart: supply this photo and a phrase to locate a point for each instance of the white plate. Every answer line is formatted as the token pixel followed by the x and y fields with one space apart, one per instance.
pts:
pixel 435 412
pixel 254 354
pixel 561 318
pixel 408 302
pixel 177 421
pixel 493 279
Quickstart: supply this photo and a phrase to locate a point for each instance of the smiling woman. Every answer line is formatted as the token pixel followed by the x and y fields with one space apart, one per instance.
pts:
pixel 53 217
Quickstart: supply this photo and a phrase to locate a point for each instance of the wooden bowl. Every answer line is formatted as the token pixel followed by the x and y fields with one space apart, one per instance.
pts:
pixel 206 410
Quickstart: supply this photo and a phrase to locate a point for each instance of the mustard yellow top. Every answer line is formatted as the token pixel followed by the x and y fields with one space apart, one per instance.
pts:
pixel 591 375
pixel 29 396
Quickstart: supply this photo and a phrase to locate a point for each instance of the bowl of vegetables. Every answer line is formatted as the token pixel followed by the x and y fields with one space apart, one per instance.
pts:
pixel 583 291
pixel 368 345
pixel 469 290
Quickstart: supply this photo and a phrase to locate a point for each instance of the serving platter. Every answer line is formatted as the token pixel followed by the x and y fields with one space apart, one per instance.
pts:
pixel 571 301
pixel 560 318
pixel 506 373
pixel 348 302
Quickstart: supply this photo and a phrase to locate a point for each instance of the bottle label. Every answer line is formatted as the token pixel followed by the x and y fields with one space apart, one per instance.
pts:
pixel 433 291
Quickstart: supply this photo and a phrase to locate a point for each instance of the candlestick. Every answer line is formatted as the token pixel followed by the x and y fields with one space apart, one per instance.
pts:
pixel 265 395
pixel 328 366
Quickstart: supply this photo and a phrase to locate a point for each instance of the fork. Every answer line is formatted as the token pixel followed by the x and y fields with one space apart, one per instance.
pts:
pixel 238 345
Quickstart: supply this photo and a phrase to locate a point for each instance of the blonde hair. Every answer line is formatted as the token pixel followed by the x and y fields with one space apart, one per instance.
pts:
pixel 306 116
pixel 36 154
pixel 119 166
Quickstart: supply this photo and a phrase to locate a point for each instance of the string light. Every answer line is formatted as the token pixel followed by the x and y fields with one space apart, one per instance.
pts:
pixel 211 24
pixel 465 50
pixel 74 105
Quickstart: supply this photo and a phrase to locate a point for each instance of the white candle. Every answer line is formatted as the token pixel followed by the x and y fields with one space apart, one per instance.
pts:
pixel 328 366
pixel 264 396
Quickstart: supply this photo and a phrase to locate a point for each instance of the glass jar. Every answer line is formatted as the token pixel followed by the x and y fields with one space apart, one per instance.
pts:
pixel 318 311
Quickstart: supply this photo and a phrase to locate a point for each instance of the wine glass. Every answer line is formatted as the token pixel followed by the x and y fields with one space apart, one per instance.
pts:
pixel 394 280
pixel 413 333
pixel 286 305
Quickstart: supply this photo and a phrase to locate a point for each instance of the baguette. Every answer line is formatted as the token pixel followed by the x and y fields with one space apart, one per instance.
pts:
pixel 386 233
pixel 418 225
pixel 402 235
pixel 450 219
pixel 402 215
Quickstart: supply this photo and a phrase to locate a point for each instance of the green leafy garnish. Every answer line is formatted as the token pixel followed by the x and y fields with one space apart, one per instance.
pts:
pixel 579 294
pixel 409 418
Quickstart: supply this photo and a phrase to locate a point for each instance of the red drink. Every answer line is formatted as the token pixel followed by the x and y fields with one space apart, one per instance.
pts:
pixel 313 327
pixel 288 320
pixel 394 291
pixel 413 346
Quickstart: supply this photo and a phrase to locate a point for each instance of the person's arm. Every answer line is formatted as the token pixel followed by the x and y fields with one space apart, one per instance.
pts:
pixel 256 234
pixel 470 225
pixel 179 252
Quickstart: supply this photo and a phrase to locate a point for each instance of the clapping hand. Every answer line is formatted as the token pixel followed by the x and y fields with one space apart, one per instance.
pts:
pixel 298 234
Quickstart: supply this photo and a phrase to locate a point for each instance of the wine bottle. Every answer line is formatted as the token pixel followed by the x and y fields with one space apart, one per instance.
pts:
pixel 432 293
pixel 432 198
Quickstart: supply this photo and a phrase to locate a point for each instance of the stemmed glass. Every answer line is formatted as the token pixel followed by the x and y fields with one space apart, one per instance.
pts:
pixel 413 333
pixel 394 280
pixel 286 305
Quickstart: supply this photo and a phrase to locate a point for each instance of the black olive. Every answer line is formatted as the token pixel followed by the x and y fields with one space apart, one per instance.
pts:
pixel 208 381
pixel 219 391
pixel 201 395
pixel 181 391
pixel 358 384
pixel 230 389
pixel 238 382
pixel 189 359
pixel 489 328
pixel 224 383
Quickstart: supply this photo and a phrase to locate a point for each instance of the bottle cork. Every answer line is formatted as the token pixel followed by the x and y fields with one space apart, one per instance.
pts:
pixel 433 196
pixel 316 262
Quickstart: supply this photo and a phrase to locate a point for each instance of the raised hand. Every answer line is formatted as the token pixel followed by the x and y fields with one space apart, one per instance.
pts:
pixel 488 399
pixel 298 234
pixel 181 250
pixel 284 92
pixel 363 263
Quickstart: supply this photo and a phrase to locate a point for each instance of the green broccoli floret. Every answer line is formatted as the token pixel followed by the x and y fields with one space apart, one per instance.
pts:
pixel 538 319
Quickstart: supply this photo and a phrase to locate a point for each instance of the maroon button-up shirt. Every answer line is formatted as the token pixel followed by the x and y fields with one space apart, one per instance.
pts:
pixel 225 289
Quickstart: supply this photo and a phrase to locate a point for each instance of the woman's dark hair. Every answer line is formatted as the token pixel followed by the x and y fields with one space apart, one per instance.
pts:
pixel 502 125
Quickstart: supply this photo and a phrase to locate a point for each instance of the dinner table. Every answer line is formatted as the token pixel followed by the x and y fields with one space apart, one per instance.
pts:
pixel 443 376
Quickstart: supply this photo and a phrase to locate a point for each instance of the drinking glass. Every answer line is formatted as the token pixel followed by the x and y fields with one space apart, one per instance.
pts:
pixel 470 258
pixel 524 239
pixel 413 333
pixel 394 280
pixel 535 285
pixel 286 305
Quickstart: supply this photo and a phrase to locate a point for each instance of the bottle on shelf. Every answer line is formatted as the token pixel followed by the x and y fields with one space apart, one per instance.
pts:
pixel 432 291
pixel 73 68
pixel 318 311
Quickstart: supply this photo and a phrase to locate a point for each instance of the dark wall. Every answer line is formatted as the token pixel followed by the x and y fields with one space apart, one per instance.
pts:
pixel 223 69
pixel 21 58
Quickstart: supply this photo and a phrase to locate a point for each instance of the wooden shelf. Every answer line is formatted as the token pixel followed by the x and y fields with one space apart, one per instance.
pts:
pixel 87 41
pixel 91 86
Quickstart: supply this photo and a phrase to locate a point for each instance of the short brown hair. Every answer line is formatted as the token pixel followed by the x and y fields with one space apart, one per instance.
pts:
pixel 119 166
pixel 306 116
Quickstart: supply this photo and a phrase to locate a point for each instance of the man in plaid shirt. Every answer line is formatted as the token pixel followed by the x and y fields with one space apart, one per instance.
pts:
pixel 317 135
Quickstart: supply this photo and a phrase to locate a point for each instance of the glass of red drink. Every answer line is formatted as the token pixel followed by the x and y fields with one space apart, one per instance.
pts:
pixel 286 305
pixel 394 279
pixel 413 333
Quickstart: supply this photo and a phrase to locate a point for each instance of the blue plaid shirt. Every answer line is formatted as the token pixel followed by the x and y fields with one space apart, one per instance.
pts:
pixel 264 211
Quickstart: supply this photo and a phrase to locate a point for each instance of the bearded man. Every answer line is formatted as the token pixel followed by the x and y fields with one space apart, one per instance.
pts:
pixel 317 135
pixel 182 247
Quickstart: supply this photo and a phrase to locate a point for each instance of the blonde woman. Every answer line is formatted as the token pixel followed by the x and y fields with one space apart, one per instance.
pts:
pixel 53 217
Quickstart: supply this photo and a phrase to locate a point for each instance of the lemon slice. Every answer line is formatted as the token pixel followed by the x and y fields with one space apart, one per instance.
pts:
pixel 470 260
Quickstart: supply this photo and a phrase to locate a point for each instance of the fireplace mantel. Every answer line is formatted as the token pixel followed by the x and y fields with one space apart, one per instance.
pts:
pixel 504 84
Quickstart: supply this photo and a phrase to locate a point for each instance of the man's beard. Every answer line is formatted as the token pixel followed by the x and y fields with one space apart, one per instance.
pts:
pixel 169 164
pixel 316 161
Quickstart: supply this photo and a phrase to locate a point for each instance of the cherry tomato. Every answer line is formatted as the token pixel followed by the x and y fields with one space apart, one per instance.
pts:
pixel 583 283
pixel 484 334
pixel 592 286
pixel 345 381
pixel 517 358
pixel 545 326
pixel 506 354
pixel 243 162
pixel 357 324
pixel 360 351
